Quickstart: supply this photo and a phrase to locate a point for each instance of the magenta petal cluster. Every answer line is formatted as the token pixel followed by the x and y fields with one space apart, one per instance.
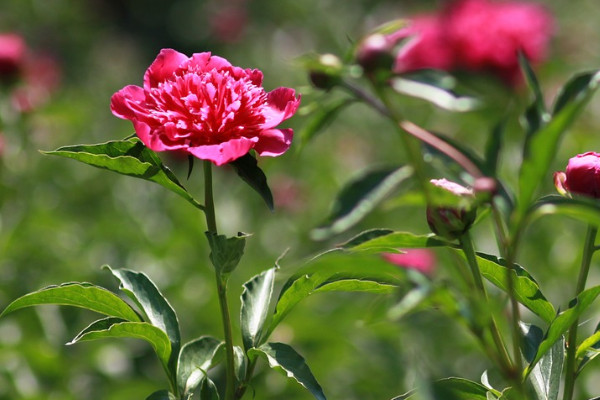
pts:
pixel 477 35
pixel 582 175
pixel 204 106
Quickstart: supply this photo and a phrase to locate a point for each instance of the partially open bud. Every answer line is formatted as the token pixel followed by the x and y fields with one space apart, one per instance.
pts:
pixel 375 52
pixel 326 72
pixel 453 215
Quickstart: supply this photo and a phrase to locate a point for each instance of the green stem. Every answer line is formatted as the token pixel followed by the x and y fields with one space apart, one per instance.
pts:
pixel 503 358
pixel 221 280
pixel 570 364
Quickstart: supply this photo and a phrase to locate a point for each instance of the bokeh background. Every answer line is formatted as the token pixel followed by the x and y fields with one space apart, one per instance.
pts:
pixel 61 221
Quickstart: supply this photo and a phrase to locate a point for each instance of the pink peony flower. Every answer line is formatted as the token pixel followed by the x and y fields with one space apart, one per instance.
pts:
pixel 582 176
pixel 204 106
pixel 422 260
pixel 12 53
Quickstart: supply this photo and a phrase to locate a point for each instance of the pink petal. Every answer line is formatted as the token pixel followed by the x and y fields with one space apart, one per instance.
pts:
pixel 281 105
pixel 163 67
pixel 274 142
pixel 125 103
pixel 224 152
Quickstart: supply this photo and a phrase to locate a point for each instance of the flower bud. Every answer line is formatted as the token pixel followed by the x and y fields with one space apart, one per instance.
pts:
pixel 326 73
pixel 485 188
pixel 582 176
pixel 374 53
pixel 453 220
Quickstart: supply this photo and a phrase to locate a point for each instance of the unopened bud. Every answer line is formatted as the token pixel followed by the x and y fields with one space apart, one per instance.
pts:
pixel 326 73
pixel 374 53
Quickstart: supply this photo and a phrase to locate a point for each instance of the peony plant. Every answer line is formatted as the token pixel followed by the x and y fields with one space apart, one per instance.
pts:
pixel 207 109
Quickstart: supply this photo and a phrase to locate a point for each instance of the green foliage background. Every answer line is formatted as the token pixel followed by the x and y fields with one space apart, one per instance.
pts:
pixel 61 221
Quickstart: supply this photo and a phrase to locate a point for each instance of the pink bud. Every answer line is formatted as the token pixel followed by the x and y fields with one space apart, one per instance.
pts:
pixel 582 175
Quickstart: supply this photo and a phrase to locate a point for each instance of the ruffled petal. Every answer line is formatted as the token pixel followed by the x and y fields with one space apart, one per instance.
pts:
pixel 224 152
pixel 281 105
pixel 127 102
pixel 163 67
pixel 274 142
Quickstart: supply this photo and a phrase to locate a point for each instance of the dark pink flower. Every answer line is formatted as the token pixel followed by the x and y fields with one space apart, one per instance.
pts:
pixel 204 106
pixel 422 260
pixel 12 53
pixel 582 175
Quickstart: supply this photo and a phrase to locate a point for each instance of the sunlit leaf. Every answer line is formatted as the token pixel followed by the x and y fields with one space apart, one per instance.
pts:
pixel 359 198
pixel 435 95
pixel 452 389
pixel 386 240
pixel 226 253
pixel 284 358
pixel 84 295
pixel 128 157
pixel 195 359
pixel 256 299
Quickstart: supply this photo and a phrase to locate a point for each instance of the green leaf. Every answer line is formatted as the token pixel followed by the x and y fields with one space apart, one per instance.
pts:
pixel 157 310
pixel 161 395
pixel 226 253
pixel 452 389
pixel 360 197
pixel 256 299
pixel 240 363
pixel 542 146
pixel 344 272
pixel 532 337
pixel 118 328
pixel 563 322
pixel 84 295
pixel 435 95
pixel 322 117
pixel 386 240
pixel 128 157
pixel 581 208
pixel 527 291
pixel 493 147
pixel 284 358
pixel 589 343
pixel 247 169
pixel 209 390
pixel 532 82
pixel 195 359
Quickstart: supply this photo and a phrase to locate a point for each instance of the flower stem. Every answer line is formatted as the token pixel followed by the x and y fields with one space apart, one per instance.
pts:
pixel 221 280
pixel 503 358
pixel 570 367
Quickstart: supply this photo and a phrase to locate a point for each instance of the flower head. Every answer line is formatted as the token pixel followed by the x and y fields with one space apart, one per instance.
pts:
pixel 582 176
pixel 204 106
pixel 422 260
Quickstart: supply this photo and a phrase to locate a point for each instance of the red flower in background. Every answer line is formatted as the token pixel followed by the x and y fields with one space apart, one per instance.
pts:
pixel 12 54
pixel 582 175
pixel 477 35
pixel 422 260
pixel 204 106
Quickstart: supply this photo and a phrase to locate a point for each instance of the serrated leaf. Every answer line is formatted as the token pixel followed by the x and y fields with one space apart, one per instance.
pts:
pixel 195 359
pixel 256 298
pixel 84 295
pixel 542 145
pixel 359 198
pixel 563 322
pixel 127 157
pixel 386 240
pixel 247 168
pixel 435 95
pixel 157 310
pixel 526 290
pixel 284 358
pixel 117 328
pixel 226 253
pixel 161 395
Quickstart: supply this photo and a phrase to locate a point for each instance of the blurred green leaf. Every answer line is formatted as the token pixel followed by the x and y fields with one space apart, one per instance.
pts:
pixel 452 389
pixel 436 95
pixel 563 322
pixel 284 358
pixel 157 310
pixel 493 148
pixel 118 328
pixel 386 240
pixel 240 363
pixel 532 337
pixel 256 298
pixel 247 168
pixel 195 359
pixel 527 291
pixel 360 197
pixel 84 295
pixel 542 146
pixel 323 115
pixel 581 208
pixel 589 349
pixel 209 390
pixel 128 157
pixel 161 395
pixel 536 115
pixel 226 253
